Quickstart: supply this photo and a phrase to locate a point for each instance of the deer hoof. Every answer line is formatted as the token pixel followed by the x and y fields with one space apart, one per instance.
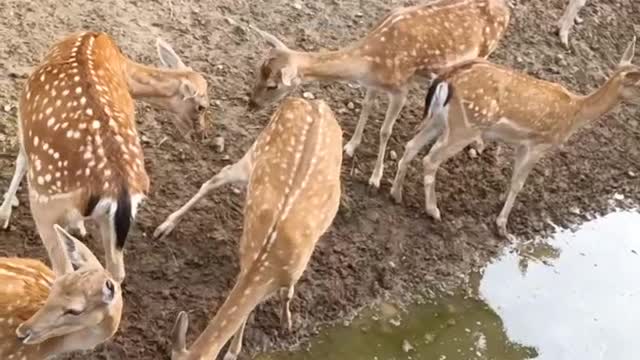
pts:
pixel 434 213
pixel 350 148
pixel 164 229
pixel 396 193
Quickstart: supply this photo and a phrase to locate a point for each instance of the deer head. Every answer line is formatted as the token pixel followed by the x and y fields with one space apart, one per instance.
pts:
pixel 81 299
pixel 278 73
pixel 184 94
pixel 629 75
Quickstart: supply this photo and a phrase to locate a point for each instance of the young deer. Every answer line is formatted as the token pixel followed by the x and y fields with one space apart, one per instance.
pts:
pixel 79 142
pixel 567 20
pixel 42 315
pixel 482 100
pixel 293 175
pixel 414 41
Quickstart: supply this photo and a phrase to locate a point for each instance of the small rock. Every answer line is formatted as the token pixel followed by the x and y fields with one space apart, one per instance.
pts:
pixel 297 6
pixel 145 139
pixel 351 106
pixel 618 197
pixel 7 108
pixel 631 174
pixel 218 142
pixel 308 95
pixel 359 14
pixel 226 157
pixel 395 322
pixel 575 210
pixel 406 346
pixel 235 190
pixel 393 155
pixel 473 153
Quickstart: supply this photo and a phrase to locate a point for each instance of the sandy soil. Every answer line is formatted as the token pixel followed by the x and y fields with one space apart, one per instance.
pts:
pixel 375 248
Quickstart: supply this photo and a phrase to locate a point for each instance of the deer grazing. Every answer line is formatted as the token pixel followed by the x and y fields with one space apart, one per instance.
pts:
pixel 414 41
pixel 293 194
pixel 482 100
pixel 79 143
pixel 42 315
pixel 567 20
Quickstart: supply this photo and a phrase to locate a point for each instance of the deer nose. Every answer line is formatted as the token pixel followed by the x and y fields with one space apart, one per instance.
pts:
pixel 253 105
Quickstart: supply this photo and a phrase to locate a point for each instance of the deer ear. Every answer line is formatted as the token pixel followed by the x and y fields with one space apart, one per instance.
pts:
pixel 168 56
pixel 290 75
pixel 77 254
pixel 632 78
pixel 188 90
pixel 628 54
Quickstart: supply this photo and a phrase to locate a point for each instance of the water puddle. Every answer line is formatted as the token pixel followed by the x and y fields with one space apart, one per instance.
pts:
pixel 576 296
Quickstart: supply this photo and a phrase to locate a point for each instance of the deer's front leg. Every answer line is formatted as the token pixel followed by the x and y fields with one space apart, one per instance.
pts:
pixel 236 173
pixel 525 160
pixel 356 139
pixel 568 19
pixel 10 199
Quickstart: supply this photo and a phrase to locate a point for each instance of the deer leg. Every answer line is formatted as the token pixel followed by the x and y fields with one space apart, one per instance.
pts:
pixel 286 294
pixel 356 139
pixel 447 146
pixel 413 147
pixel 568 18
pixel 525 160
pixel 114 257
pixel 236 344
pixel 45 215
pixel 236 173
pixel 10 199
pixel 396 103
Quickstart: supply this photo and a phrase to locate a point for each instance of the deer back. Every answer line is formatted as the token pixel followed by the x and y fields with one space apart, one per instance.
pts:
pixel 294 189
pixel 77 122
pixel 436 35
pixel 24 287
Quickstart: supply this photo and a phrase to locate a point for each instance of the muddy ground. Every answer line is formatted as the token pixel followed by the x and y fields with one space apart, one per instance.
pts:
pixel 375 248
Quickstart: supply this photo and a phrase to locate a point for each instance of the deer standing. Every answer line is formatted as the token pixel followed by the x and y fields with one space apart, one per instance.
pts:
pixel 292 173
pixel 567 20
pixel 482 100
pixel 78 139
pixel 43 316
pixel 414 41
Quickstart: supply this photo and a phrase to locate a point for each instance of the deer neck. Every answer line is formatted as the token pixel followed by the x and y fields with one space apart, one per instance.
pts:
pixel 244 297
pixel 598 102
pixel 153 85
pixel 84 339
pixel 344 64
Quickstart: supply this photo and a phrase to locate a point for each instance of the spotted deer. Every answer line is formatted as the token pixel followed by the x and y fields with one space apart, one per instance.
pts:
pixel 483 100
pixel 79 143
pixel 567 20
pixel 414 41
pixel 292 172
pixel 42 315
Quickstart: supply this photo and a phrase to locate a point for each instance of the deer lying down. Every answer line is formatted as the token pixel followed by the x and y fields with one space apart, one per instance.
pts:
pixel 416 41
pixel 482 100
pixel 42 316
pixel 293 194
pixel 78 139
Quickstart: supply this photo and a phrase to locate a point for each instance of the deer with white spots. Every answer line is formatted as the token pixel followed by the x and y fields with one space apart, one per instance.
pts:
pixel 79 143
pixel 42 315
pixel 292 173
pixel 491 102
pixel 567 20
pixel 416 41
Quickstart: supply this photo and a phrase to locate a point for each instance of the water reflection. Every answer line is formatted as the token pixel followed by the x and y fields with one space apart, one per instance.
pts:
pixel 572 297
pixel 586 304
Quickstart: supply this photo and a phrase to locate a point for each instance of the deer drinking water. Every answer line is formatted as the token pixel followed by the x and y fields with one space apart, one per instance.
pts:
pixel 78 138
pixel 42 315
pixel 414 41
pixel 293 194
pixel 482 100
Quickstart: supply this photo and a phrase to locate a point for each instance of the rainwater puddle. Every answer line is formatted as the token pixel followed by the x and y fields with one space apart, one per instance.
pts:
pixel 576 296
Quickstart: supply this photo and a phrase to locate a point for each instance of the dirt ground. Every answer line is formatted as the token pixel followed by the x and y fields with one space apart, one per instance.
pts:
pixel 375 248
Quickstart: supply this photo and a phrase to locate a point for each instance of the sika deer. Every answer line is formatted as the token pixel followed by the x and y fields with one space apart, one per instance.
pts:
pixel 79 141
pixel 567 20
pixel 41 316
pixel 482 100
pixel 293 175
pixel 414 41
